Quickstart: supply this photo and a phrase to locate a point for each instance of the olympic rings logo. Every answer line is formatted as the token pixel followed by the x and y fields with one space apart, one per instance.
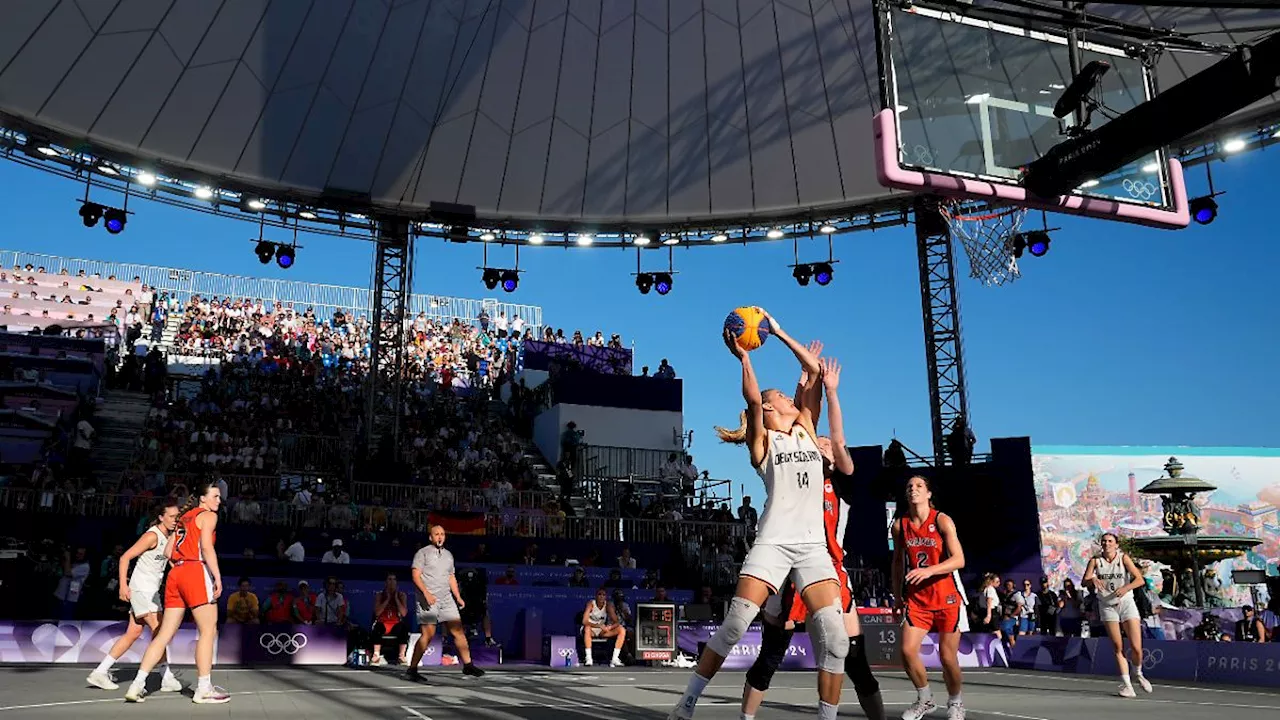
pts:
pixel 282 643
pixel 1140 189
pixel 566 652
pixel 1152 658
pixel 924 155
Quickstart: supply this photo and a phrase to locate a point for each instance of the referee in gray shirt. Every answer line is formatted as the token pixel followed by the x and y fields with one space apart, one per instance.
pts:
pixel 438 601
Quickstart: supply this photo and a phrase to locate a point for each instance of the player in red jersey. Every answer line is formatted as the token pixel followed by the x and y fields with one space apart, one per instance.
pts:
pixel 194 583
pixel 782 614
pixel 927 555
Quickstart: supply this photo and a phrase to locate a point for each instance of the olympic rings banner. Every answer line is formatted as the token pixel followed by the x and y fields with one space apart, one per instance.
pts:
pixel 1185 660
pixel 89 641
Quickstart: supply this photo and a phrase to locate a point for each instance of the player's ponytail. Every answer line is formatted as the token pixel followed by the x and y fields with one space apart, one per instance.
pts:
pixel 737 436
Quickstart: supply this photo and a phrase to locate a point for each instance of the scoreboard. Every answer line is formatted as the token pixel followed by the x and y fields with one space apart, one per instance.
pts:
pixel 655 631
pixel 884 636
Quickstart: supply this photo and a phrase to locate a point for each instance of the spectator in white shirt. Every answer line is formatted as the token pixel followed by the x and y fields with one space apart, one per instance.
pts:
pixel 625 560
pixel 295 553
pixel 336 555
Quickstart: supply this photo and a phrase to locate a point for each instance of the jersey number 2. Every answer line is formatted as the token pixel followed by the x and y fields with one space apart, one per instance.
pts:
pixel 922 560
pixel 802 480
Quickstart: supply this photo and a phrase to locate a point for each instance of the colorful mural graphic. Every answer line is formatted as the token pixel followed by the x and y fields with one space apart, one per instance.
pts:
pixel 1086 490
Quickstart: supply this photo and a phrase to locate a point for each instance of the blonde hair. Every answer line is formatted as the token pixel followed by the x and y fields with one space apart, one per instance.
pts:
pixel 194 498
pixel 737 436
pixel 989 579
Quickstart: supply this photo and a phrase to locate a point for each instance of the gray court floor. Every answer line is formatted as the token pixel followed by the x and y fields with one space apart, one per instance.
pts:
pixel 541 694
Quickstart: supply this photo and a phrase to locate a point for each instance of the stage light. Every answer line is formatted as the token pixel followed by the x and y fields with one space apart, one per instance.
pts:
pixel 90 213
pixel 284 256
pixel 1204 209
pixel 827 229
pixel 1019 245
pixel 146 178
pixel 672 240
pixel 1234 145
pixel 802 273
pixel 265 251
pixel 115 220
pixel 306 215
pixel 510 280
pixel 662 282
pixel 536 239
pixel 256 204
pixel 106 169
pixel 822 273
pixel 774 234
pixel 486 236
pixel 644 283
pixel 585 240
pixel 642 240
pixel 719 238
pixel 491 278
pixel 1037 242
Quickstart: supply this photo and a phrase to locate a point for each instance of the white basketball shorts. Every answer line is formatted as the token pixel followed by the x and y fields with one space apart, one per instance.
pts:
pixel 144 601
pixel 1121 611
pixel 806 564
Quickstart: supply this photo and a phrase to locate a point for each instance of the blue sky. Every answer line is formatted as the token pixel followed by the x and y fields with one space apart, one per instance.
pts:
pixel 1119 336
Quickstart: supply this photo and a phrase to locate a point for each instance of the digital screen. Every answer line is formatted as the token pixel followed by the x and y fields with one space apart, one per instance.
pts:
pixel 655 631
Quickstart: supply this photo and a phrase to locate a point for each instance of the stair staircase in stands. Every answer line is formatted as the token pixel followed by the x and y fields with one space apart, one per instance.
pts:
pixel 545 473
pixel 117 423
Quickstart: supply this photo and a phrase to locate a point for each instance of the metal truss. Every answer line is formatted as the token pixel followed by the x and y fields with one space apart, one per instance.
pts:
pixel 948 399
pixel 392 282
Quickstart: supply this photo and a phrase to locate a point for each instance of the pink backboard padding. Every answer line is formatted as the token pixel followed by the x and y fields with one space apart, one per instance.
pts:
pixel 893 175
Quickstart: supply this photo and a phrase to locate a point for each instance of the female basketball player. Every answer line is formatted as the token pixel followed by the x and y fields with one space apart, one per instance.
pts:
pixel 600 620
pixel 1114 577
pixel 142 592
pixel 927 555
pixel 782 613
pixel 194 584
pixel 790 542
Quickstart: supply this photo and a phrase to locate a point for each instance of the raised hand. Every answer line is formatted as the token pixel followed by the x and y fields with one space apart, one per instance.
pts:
pixel 815 347
pixel 731 342
pixel 830 373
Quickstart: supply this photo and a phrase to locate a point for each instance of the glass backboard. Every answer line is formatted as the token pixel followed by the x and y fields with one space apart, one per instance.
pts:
pixel 969 103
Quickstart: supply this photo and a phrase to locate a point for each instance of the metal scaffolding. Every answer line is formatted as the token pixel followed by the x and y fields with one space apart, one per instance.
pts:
pixel 392 282
pixel 948 400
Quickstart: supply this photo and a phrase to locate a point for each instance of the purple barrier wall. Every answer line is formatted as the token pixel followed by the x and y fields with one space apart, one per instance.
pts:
pixel 976 649
pixel 281 645
pixel 88 642
pixel 1181 660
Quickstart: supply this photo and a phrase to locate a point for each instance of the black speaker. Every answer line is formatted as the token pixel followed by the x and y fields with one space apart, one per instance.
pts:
pixel 473 583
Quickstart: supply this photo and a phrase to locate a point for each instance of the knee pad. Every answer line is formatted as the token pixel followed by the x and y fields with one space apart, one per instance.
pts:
pixel 830 640
pixel 741 613
pixel 858 668
pixel 773 648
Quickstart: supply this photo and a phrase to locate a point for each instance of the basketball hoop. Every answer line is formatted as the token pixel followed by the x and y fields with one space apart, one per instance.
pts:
pixel 987 236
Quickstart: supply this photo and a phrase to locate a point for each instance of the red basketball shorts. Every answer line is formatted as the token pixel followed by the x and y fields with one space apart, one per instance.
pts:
pixel 188 586
pixel 939 620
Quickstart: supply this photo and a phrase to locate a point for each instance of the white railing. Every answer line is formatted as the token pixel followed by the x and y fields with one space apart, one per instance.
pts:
pixel 185 283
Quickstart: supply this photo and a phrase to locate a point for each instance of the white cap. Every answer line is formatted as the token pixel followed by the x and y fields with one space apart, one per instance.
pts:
pixel 337 543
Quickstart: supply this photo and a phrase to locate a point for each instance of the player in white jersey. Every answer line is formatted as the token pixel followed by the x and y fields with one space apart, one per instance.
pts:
pixel 1114 577
pixel 142 591
pixel 600 620
pixel 790 538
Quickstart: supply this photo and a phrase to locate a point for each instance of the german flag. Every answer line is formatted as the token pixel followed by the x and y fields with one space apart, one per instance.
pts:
pixel 459 523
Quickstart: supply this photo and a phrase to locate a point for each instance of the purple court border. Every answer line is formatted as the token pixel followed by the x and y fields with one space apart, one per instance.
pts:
pixel 891 174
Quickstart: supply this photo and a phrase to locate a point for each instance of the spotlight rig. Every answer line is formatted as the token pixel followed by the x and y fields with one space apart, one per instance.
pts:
pixel 508 279
pixel 662 282
pixel 820 272
pixel 92 212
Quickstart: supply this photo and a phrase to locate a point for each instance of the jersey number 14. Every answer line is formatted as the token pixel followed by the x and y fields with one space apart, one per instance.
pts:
pixel 802 480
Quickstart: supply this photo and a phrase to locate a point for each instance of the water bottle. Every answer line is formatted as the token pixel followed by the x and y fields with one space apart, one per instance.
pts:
pixel 567 661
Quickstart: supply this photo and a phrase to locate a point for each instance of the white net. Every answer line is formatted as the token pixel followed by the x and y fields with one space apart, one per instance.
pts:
pixel 987 236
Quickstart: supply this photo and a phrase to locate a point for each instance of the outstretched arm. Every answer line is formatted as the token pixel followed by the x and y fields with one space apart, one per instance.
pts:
pixel 812 378
pixel 835 418
pixel 808 394
pixel 756 436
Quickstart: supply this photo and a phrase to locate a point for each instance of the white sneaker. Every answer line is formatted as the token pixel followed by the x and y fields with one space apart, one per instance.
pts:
pixel 918 709
pixel 683 710
pixel 955 711
pixel 170 683
pixel 135 695
pixel 102 680
pixel 213 696
pixel 377 662
pixel 1126 691
pixel 1144 683
pixel 616 663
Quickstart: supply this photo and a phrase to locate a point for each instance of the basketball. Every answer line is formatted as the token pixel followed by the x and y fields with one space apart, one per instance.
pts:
pixel 749 326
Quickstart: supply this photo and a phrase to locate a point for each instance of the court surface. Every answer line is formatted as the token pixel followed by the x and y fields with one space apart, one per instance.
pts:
pixel 542 694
